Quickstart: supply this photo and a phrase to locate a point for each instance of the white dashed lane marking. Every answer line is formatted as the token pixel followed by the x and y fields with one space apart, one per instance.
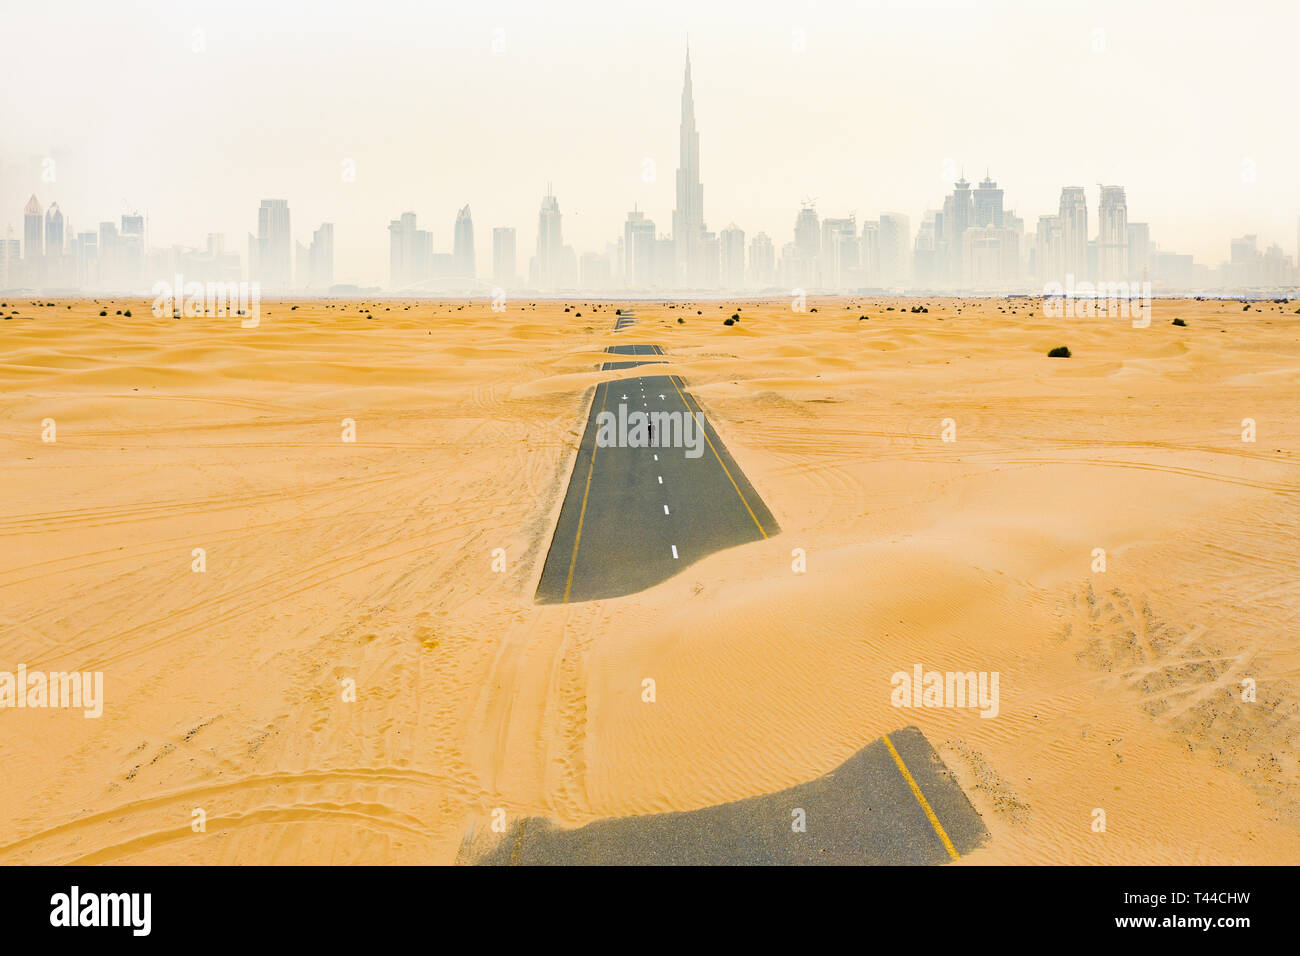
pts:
pixel 674 551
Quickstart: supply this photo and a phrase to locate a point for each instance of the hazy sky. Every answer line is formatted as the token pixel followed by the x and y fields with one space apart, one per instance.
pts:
pixel 194 111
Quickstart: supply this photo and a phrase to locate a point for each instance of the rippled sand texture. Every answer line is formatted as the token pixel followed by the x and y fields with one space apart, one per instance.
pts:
pixel 330 562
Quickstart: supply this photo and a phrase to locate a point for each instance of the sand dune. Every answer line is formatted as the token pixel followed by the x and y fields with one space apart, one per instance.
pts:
pixel 371 561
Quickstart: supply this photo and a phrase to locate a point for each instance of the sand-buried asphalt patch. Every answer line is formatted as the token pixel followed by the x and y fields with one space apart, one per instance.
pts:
pixel 633 517
pixel 892 803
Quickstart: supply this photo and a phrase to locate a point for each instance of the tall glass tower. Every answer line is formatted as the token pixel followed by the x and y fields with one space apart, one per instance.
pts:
pixel 688 217
pixel 463 246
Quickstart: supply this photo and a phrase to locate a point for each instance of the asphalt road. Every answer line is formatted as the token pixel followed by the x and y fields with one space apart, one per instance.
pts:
pixel 635 516
pixel 891 803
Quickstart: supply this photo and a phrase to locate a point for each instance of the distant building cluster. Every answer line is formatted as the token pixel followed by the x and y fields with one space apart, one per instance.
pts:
pixel 117 258
pixel 52 255
pixel 972 244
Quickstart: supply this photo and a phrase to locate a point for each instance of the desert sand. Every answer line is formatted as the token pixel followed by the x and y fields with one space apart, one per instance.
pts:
pixel 330 562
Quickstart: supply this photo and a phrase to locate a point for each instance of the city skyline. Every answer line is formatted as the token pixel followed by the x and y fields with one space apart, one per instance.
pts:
pixel 772 95
pixel 972 244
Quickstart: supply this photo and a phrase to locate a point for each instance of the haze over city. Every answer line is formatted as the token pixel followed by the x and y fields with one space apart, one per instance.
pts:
pixel 863 108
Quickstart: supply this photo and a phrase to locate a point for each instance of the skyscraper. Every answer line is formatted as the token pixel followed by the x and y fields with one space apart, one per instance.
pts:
pixel 958 216
pixel 1048 255
pixel 53 232
pixel 869 252
pixel 639 251
pixel 321 258
pixel 990 257
pixel 895 248
pixel 548 263
pixel 762 261
pixel 410 252
pixel 1275 267
pixel 688 217
pixel 33 234
pixel 399 243
pixel 1139 250
pixel 839 251
pixel 925 261
pixel 1074 233
pixel 503 256
pixel 988 203
pixel 110 254
pixel 710 255
pixel 1016 226
pixel 732 253
pixel 462 250
pixel 85 253
pixel 1242 266
pixel 274 263
pixel 131 247
pixel 10 259
pixel 665 263
pixel 1112 235
pixel 807 246
pixel 132 224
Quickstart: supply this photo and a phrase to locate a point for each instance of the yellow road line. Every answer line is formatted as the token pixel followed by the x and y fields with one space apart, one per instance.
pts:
pixel 582 513
pixel 516 851
pixel 920 798
pixel 705 432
